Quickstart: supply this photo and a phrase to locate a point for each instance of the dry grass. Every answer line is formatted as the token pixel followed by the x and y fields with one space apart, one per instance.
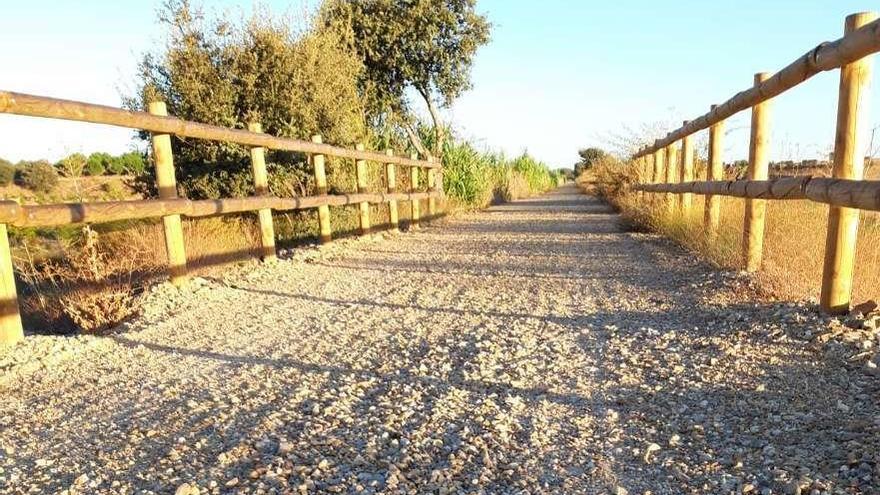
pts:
pixel 87 281
pixel 794 238
pixel 91 285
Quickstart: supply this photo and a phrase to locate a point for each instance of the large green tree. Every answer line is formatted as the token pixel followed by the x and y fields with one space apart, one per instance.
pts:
pixel 421 46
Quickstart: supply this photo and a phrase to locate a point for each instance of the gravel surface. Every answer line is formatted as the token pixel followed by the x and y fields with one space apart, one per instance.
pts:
pixel 536 347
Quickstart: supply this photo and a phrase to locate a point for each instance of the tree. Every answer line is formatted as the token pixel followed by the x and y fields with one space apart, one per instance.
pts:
pixel 294 84
pixel 116 165
pixel 72 165
pixel 424 45
pixel 589 156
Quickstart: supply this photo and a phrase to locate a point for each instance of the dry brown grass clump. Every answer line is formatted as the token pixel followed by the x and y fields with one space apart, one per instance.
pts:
pixel 90 285
pixel 794 238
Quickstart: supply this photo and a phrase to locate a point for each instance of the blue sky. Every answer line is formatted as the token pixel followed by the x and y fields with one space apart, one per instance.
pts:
pixel 558 75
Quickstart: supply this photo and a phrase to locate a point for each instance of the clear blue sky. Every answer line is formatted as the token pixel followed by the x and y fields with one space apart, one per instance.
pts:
pixel 558 74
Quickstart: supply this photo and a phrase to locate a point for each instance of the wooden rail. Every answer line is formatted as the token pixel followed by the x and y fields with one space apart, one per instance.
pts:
pixel 845 192
pixel 171 208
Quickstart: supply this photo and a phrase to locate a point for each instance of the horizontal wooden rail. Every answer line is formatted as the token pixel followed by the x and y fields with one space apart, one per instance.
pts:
pixel 861 194
pixel 53 108
pixel 170 207
pixel 827 56
pixel 110 211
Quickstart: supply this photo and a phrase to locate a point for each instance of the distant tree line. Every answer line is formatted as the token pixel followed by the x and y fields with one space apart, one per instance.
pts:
pixel 42 176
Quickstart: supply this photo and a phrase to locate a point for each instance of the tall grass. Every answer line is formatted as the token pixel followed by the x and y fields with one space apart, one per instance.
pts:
pixel 794 236
pixel 474 178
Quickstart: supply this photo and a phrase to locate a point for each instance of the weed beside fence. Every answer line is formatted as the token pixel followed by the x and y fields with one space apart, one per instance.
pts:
pixel 794 233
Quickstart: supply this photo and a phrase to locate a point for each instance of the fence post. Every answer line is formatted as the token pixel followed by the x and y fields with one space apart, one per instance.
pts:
pixel 11 330
pixel 659 171
pixel 849 162
pixel 640 163
pixel 687 172
pixel 756 209
pixel 671 175
pixel 432 204
pixel 360 167
pixel 414 184
pixel 391 179
pixel 261 187
pixel 715 171
pixel 167 184
pixel 325 232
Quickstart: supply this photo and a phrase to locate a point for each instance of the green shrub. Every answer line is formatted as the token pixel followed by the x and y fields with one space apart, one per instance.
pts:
pixel 113 190
pixel 134 163
pixel 116 166
pixel 98 163
pixel 38 176
pixel 7 172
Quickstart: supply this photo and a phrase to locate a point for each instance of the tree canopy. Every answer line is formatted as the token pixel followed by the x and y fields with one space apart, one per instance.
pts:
pixel 423 45
pixel 589 156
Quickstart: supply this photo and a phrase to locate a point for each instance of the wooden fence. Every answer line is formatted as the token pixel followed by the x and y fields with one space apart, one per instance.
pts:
pixel 845 192
pixel 171 208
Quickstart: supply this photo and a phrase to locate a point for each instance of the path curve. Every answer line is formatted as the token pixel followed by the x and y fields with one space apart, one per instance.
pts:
pixel 536 347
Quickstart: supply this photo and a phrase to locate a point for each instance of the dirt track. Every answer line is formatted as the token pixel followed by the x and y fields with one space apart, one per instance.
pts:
pixel 535 347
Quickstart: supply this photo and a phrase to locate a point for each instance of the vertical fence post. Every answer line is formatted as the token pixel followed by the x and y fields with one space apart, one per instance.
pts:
pixel 325 232
pixel 687 172
pixel 11 330
pixel 432 203
pixel 414 184
pixel 756 209
pixel 167 184
pixel 715 171
pixel 261 187
pixel 849 162
pixel 360 167
pixel 671 175
pixel 659 166
pixel 640 163
pixel 391 179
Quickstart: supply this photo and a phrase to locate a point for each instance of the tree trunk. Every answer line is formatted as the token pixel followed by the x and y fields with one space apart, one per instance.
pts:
pixel 439 134
pixel 415 139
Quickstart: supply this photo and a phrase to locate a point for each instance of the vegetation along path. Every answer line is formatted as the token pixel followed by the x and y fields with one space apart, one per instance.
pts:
pixel 537 347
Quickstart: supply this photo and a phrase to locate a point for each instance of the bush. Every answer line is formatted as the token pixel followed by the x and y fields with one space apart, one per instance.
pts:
pixel 295 82
pixel 116 166
pixel 38 176
pixel 73 165
pixel 98 163
pixel 132 163
pixel 7 172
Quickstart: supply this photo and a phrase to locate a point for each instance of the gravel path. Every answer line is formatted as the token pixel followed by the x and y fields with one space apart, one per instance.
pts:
pixel 536 347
